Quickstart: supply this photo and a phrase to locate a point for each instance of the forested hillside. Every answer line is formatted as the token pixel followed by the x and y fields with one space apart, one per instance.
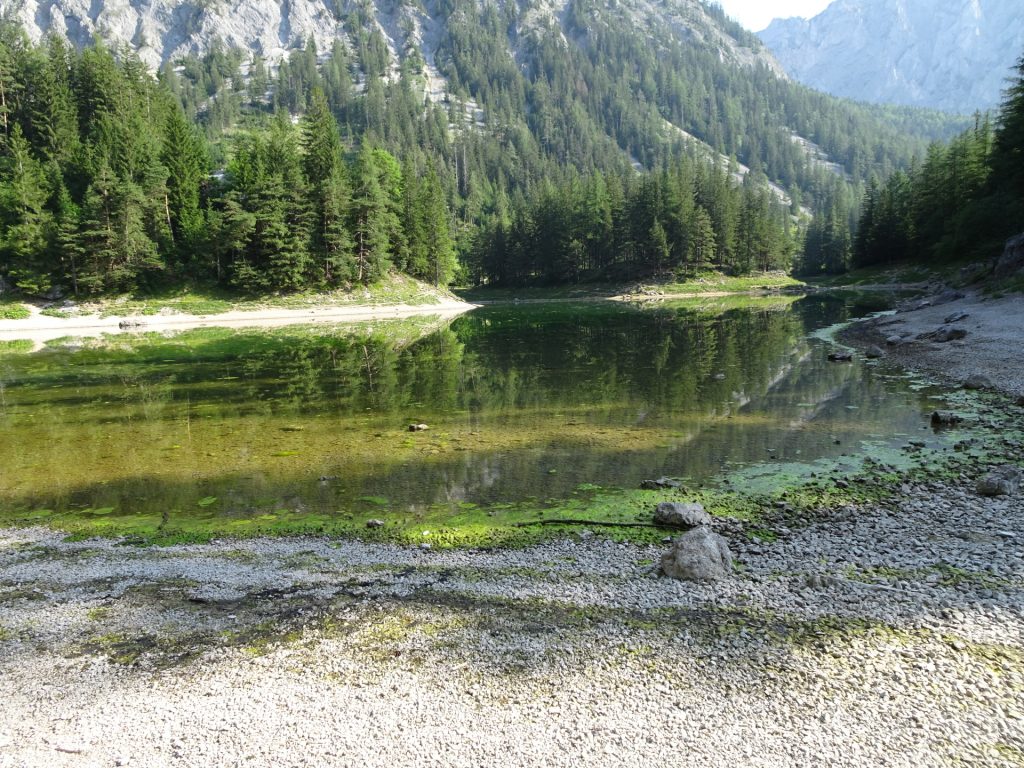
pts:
pixel 539 146
pixel 963 200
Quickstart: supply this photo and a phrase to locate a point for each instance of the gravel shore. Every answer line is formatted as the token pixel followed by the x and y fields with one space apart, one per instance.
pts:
pixel 991 346
pixel 880 636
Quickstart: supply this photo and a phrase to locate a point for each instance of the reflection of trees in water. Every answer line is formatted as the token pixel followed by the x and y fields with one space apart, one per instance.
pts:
pixel 715 387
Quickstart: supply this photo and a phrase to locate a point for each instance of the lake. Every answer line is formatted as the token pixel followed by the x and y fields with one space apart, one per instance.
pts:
pixel 531 405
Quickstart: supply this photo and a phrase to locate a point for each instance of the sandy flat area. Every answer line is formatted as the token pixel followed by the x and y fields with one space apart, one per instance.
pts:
pixel 41 328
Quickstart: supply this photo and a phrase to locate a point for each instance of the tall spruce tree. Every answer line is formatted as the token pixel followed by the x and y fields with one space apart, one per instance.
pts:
pixel 330 196
pixel 24 220
pixel 184 156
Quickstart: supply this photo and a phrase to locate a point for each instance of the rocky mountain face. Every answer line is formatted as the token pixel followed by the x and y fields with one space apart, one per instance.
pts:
pixel 953 55
pixel 162 30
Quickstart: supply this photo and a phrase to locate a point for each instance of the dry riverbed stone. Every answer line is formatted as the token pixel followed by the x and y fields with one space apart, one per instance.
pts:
pixel 700 555
pixel 1001 481
pixel 684 516
pixel 978 381
pixel 944 335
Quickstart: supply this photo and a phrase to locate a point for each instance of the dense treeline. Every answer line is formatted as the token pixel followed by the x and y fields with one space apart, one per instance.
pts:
pixel 336 167
pixel 963 199
pixel 690 216
pixel 107 187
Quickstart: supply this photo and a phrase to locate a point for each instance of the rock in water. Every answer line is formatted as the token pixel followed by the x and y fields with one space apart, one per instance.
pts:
pixel 375 523
pixel 418 427
pixel 661 484
pixel 841 357
pixel 700 555
pixel 685 516
pixel 945 419
pixel 1001 481
pixel 873 352
pixel 978 381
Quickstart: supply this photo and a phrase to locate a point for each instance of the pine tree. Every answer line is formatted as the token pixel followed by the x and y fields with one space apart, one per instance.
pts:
pixel 24 221
pixel 184 156
pixel 96 240
pixel 1009 160
pixel 702 241
pixel 329 191
pixel 66 246
pixel 439 249
pixel 371 219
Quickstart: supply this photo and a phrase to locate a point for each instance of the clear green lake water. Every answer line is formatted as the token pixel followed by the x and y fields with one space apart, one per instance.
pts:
pixel 524 404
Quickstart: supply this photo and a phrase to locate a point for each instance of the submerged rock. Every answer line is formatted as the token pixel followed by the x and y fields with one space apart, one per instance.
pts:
pixel 841 357
pixel 677 515
pixel 661 484
pixel 700 555
pixel 874 352
pixel 1001 481
pixel 945 419
pixel 893 340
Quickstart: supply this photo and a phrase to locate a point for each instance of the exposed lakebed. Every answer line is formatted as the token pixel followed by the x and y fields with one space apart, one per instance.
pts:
pixel 532 410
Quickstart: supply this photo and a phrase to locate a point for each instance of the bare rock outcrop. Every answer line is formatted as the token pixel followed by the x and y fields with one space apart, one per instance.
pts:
pixel 700 556
pixel 1012 260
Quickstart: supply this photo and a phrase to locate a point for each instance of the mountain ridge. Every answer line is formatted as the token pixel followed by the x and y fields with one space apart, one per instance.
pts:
pixel 163 30
pixel 954 56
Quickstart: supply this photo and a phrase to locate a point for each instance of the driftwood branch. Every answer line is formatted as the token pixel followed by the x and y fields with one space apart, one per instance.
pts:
pixel 587 522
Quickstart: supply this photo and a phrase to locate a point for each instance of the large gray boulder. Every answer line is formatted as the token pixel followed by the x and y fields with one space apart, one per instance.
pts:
pixel 1001 481
pixel 978 381
pixel 700 555
pixel 676 515
pixel 1012 260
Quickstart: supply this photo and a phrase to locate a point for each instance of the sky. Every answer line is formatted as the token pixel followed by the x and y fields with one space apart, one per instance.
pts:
pixel 756 14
